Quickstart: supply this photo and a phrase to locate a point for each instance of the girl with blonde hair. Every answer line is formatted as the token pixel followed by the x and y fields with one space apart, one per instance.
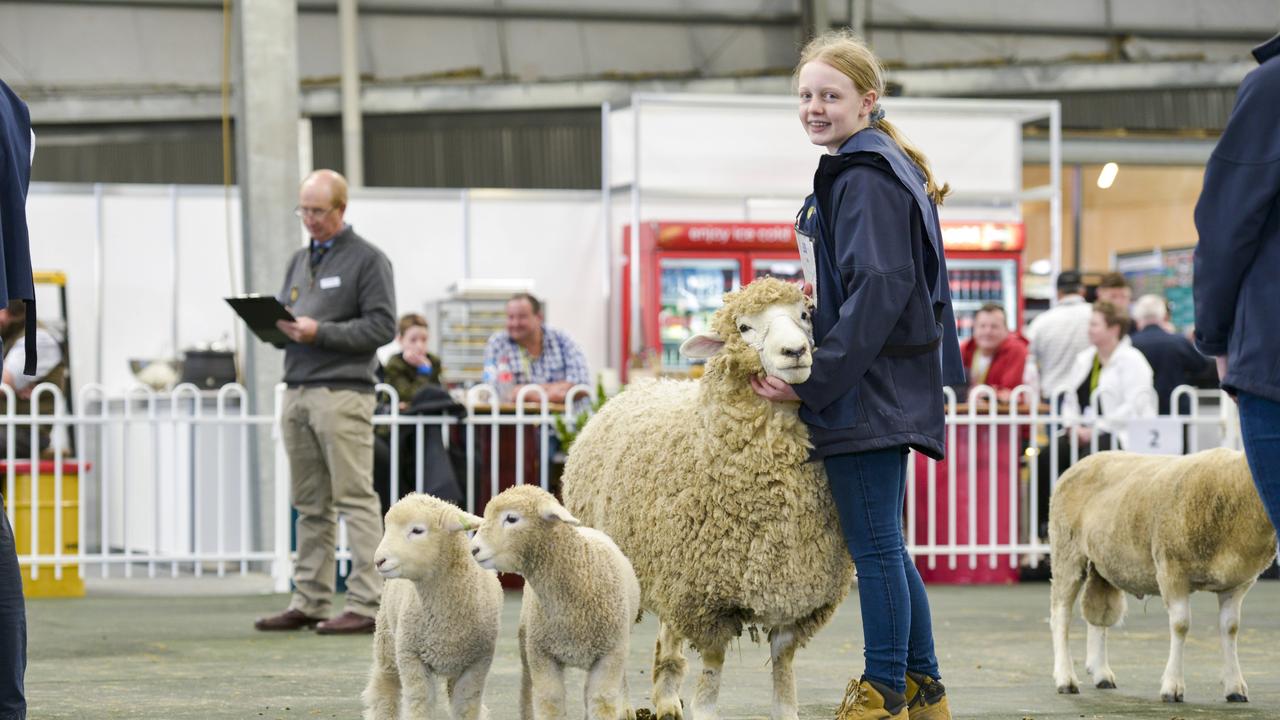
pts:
pixel 885 346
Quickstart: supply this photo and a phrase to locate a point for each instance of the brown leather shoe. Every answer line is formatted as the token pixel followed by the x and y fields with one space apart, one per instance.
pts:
pixel 348 623
pixel 288 620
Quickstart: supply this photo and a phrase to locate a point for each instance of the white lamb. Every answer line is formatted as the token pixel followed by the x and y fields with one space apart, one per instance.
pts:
pixel 709 491
pixel 438 618
pixel 580 599
pixel 1146 524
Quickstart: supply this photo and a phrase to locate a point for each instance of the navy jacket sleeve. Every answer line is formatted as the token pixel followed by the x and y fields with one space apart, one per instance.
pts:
pixel 1241 183
pixel 872 232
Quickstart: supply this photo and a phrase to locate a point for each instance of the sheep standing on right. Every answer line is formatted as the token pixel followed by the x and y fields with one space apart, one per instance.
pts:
pixel 1146 524
pixel 581 597
pixel 438 618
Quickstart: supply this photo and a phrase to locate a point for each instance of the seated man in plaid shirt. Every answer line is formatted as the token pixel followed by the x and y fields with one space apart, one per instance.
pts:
pixel 534 353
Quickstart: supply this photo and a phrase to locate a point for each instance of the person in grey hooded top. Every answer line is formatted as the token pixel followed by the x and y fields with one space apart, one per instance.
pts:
pixel 342 294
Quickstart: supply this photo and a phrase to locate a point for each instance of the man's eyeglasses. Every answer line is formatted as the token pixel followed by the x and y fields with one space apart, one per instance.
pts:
pixel 311 213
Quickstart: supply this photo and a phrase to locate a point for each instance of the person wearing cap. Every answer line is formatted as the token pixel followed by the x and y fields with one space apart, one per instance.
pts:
pixel 1057 336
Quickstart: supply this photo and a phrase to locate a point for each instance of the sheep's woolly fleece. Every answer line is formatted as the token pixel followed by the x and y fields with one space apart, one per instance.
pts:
pixel 708 490
pixel 1199 512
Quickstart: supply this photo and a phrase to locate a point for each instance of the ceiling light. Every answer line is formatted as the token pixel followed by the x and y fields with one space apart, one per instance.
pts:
pixel 1108 175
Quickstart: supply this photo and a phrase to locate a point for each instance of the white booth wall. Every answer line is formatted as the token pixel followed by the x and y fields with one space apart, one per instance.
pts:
pixel 147 266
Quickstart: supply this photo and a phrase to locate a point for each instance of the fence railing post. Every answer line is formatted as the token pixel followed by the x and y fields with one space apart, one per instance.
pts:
pixel 282 566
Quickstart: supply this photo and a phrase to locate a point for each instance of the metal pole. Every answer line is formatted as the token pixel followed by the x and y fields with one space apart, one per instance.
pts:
pixel 1055 196
pixel 1077 213
pixel 637 332
pixel 99 281
pixel 858 18
pixel 611 310
pixel 466 233
pixel 352 124
pixel 173 275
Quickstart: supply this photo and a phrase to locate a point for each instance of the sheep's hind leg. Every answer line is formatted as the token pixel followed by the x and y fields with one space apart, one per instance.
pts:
pixel 1102 606
pixel 1068 577
pixel 1228 628
pixel 669 667
pixel 707 694
pixel 782 652
pixel 1172 686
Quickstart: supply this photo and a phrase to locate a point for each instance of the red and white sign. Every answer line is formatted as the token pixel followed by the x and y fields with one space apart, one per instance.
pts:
pixel 983 236
pixel 724 236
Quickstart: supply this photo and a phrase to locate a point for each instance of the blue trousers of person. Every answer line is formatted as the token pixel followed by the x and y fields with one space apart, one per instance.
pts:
pixel 869 489
pixel 13 627
pixel 1260 430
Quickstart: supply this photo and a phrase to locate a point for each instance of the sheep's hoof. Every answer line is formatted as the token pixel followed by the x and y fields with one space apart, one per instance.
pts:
pixel 1106 684
pixel 1070 689
pixel 1171 698
pixel 1237 697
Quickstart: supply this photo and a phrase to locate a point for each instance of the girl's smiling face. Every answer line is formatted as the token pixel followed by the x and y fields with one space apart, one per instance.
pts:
pixel 831 108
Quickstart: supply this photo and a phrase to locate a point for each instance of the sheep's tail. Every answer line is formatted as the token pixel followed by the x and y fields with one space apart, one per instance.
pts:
pixel 1103 603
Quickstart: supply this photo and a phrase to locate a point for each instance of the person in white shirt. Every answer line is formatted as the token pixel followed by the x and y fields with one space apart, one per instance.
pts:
pixel 1057 335
pixel 1124 385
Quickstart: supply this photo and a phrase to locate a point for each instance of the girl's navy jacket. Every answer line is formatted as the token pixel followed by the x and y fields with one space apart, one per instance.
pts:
pixel 883 325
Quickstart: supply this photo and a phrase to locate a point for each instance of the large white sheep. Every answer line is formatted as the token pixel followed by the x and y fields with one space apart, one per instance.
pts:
pixel 1146 524
pixel 709 490
pixel 580 599
pixel 438 618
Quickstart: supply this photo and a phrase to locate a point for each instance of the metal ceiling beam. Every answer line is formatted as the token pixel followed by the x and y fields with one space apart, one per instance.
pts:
pixel 1130 150
pixel 1058 77
pixel 128 104
pixel 1201 34
pixel 423 9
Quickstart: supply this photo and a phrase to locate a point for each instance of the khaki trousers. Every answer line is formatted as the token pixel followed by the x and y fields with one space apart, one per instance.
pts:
pixel 329 437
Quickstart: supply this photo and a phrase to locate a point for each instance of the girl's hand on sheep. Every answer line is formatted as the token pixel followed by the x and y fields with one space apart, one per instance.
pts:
pixel 773 389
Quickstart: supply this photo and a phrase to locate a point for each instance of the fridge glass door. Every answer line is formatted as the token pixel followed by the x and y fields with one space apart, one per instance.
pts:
pixel 692 289
pixel 975 283
pixel 783 269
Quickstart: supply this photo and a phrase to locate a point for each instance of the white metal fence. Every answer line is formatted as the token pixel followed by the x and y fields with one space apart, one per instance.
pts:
pixel 163 482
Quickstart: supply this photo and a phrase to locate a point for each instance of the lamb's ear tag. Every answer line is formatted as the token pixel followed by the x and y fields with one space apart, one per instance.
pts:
pixel 701 346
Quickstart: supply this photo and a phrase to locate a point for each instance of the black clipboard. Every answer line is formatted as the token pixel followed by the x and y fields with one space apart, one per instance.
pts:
pixel 260 313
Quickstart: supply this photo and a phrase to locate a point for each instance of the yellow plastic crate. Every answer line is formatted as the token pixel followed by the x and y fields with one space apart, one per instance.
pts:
pixel 45 584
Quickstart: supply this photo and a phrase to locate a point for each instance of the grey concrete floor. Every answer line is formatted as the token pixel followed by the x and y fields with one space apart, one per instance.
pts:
pixel 121 654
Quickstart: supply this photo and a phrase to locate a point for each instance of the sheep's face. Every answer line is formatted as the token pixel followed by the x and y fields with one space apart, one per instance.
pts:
pixel 511 525
pixel 781 335
pixel 418 529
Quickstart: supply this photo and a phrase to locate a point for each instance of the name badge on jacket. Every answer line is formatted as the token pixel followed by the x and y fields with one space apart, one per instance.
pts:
pixel 330 283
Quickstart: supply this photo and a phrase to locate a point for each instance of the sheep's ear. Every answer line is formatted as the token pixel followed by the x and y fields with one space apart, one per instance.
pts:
pixel 556 511
pixel 701 346
pixel 462 521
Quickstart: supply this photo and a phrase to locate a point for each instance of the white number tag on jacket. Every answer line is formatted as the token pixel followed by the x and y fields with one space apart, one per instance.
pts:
pixel 330 283
pixel 808 261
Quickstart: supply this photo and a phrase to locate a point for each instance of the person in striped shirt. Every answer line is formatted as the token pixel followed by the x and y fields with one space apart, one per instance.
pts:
pixel 1056 336
pixel 529 352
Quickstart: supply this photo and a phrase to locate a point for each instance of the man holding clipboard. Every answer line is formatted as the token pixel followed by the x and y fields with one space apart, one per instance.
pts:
pixel 340 297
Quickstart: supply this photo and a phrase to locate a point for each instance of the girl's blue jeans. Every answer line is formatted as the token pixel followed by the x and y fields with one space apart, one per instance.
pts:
pixel 869 489
pixel 1260 430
